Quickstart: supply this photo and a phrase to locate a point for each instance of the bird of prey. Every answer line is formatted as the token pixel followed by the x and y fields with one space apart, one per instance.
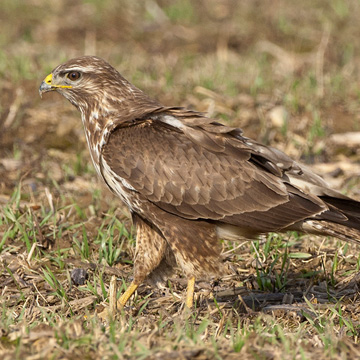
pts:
pixel 189 180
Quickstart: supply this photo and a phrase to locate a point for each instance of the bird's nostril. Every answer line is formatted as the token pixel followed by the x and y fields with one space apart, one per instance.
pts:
pixel 48 79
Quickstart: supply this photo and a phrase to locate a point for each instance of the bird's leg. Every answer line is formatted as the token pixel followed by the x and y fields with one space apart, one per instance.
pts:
pixel 148 241
pixel 127 294
pixel 194 255
pixel 190 292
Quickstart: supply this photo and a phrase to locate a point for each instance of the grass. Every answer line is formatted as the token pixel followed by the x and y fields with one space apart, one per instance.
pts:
pixel 45 295
pixel 287 296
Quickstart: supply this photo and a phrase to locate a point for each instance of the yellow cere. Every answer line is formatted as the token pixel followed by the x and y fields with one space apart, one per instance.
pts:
pixel 48 80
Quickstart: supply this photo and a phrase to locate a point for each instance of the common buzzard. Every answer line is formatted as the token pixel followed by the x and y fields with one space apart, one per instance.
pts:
pixel 189 180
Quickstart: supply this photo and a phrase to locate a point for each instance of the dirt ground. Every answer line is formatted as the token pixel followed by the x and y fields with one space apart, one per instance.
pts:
pixel 286 72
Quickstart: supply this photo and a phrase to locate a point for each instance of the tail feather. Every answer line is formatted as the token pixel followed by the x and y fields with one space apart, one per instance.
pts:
pixel 336 216
pixel 341 231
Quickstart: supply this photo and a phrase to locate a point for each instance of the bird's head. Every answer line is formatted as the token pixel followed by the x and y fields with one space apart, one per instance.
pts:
pixel 98 90
pixel 89 81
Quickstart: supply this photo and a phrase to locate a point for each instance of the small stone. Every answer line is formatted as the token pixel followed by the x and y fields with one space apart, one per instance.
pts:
pixel 79 276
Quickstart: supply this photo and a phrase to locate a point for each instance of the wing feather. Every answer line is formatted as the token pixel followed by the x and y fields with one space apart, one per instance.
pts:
pixel 194 173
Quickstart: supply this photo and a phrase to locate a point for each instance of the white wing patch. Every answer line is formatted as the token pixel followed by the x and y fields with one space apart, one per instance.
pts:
pixel 173 121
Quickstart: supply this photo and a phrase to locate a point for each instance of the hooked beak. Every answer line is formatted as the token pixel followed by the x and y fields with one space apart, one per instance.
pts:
pixel 47 85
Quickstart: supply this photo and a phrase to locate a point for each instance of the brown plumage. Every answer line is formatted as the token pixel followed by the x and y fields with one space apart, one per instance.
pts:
pixel 189 180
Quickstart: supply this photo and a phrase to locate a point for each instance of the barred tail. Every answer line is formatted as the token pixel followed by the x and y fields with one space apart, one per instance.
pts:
pixel 323 227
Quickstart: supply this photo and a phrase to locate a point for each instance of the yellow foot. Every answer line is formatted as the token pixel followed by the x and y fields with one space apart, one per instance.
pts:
pixel 190 292
pixel 126 295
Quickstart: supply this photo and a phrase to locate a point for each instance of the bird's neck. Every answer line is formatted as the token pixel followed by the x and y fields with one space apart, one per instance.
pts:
pixel 91 122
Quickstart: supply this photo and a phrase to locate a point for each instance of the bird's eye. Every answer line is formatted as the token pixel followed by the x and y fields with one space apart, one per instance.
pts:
pixel 73 75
